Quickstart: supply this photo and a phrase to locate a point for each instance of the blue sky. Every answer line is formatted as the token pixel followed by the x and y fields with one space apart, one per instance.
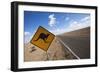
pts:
pixel 55 22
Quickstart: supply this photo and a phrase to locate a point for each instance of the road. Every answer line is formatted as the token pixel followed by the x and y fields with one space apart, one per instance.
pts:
pixel 79 45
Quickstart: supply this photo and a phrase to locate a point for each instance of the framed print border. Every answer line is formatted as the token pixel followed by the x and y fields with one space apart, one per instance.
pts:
pixel 15 33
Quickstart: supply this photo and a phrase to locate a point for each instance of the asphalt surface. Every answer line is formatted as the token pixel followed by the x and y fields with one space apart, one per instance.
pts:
pixel 79 45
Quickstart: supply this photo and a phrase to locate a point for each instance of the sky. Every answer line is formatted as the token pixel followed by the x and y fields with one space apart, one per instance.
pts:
pixel 55 22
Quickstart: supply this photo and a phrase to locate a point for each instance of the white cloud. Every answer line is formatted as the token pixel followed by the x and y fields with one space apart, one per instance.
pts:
pixel 26 33
pixel 85 18
pixel 67 18
pixel 27 36
pixel 52 20
pixel 57 31
pixel 73 25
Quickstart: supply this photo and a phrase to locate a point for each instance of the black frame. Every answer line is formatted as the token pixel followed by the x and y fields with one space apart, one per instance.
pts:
pixel 14 35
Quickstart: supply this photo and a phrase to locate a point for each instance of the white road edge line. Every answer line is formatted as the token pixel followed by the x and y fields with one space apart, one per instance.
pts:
pixel 69 49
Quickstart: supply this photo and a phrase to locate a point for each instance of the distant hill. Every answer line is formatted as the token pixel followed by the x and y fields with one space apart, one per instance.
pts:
pixel 84 32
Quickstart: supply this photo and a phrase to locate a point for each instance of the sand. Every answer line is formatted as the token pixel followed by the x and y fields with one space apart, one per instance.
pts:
pixel 56 51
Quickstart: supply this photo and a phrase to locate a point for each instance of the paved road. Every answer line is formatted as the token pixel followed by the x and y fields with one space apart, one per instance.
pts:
pixel 79 45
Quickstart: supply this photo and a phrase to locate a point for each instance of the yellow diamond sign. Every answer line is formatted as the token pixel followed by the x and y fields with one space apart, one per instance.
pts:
pixel 42 38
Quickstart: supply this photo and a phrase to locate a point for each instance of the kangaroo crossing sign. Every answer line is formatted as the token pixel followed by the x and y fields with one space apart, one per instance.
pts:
pixel 42 38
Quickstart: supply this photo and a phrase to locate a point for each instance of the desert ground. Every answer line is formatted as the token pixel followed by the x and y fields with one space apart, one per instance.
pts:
pixel 78 41
pixel 56 51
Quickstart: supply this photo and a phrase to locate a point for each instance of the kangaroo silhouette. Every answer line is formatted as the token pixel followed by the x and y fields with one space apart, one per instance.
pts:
pixel 43 36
